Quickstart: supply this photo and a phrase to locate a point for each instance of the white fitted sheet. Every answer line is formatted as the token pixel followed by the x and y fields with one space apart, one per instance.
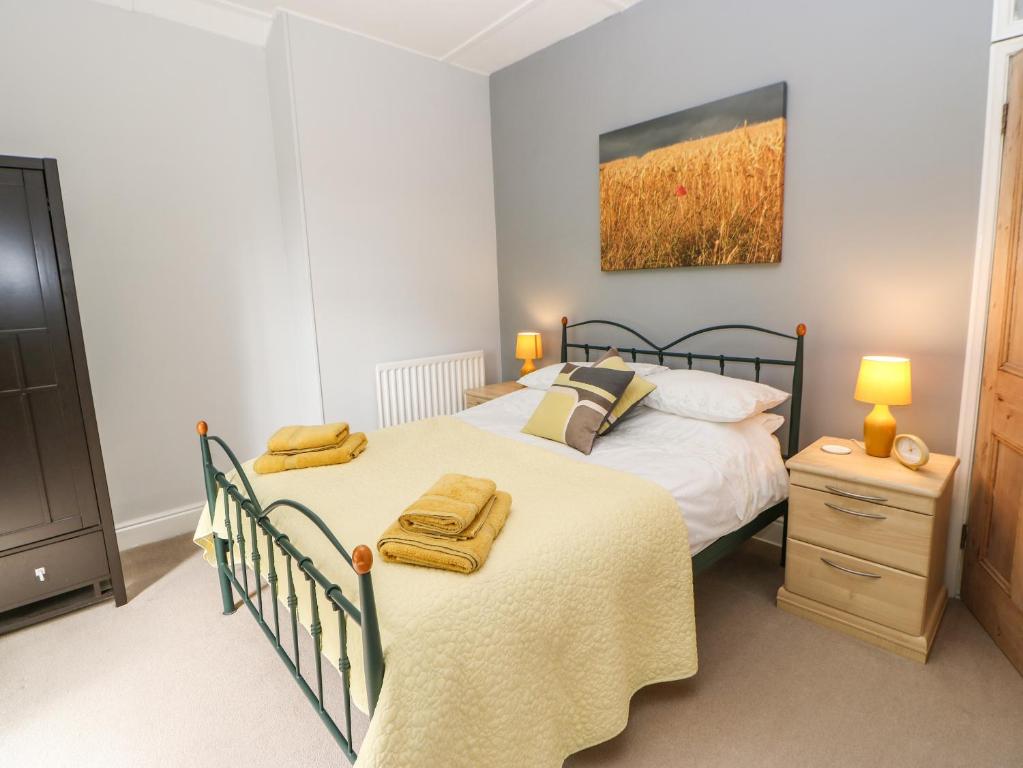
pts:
pixel 721 475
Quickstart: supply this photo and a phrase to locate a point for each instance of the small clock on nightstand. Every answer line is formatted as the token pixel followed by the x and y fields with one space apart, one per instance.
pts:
pixel 911 451
pixel 866 543
pixel 488 392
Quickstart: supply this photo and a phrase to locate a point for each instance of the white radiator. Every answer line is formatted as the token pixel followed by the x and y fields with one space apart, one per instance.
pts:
pixel 409 390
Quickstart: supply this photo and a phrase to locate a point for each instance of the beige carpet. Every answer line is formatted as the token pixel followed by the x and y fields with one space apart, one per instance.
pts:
pixel 167 681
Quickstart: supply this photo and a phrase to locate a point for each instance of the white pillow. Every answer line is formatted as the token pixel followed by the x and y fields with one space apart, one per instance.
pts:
pixel 543 378
pixel 770 421
pixel 710 396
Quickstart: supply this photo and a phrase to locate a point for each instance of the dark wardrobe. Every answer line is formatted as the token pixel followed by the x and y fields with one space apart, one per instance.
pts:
pixel 58 551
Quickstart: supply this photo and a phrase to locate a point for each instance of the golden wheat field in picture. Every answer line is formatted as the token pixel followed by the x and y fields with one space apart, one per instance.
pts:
pixel 704 201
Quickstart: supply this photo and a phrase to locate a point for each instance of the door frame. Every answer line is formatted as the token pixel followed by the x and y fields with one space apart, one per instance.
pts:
pixel 62 247
pixel 980 292
pixel 1004 25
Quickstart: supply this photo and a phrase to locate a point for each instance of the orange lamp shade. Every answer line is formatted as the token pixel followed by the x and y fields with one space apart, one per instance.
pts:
pixel 528 347
pixel 884 380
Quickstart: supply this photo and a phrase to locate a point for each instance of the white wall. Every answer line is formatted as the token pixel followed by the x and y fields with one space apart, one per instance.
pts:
pixel 397 185
pixel 163 139
pixel 296 243
pixel 215 193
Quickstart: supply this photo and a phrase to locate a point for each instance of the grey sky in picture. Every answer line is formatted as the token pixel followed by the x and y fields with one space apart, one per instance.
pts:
pixel 755 106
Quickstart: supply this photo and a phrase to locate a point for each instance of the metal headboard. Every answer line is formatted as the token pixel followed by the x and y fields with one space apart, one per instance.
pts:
pixel 666 351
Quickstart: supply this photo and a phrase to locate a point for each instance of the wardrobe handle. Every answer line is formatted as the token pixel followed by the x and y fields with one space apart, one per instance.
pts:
pixel 838 567
pixel 853 512
pixel 858 496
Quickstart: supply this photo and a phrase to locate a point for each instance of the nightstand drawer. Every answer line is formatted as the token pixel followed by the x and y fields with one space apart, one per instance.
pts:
pixel 890 597
pixel 881 534
pixel 863 491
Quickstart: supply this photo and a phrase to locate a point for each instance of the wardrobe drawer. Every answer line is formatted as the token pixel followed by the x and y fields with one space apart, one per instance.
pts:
pixel 860 491
pixel 65 564
pixel 891 597
pixel 881 534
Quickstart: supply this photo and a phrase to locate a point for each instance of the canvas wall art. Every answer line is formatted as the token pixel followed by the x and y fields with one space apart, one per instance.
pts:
pixel 700 187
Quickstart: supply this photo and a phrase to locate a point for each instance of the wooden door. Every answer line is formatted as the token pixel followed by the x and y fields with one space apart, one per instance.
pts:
pixel 993 572
pixel 46 481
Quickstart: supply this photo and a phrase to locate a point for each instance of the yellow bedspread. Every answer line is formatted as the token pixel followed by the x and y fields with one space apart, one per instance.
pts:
pixel 586 597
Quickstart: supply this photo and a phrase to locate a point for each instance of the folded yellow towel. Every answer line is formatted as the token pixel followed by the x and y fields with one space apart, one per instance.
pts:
pixel 353 445
pixel 289 440
pixel 449 507
pixel 470 531
pixel 398 545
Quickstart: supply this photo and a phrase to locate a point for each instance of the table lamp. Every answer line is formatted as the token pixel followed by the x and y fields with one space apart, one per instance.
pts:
pixel 528 347
pixel 883 381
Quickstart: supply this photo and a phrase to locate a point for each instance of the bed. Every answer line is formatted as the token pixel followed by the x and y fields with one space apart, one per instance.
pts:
pixel 586 598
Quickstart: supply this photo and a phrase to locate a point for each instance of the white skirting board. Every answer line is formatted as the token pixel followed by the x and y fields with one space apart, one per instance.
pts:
pixel 158 526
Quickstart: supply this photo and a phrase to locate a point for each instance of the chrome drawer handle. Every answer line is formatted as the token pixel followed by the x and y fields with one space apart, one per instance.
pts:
pixel 853 512
pixel 838 567
pixel 859 496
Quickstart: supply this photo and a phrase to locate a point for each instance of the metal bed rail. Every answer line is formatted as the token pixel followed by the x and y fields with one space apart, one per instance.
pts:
pixel 234 577
pixel 665 351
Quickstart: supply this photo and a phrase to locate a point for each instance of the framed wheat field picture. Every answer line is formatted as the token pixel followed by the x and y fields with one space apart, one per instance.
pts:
pixel 700 187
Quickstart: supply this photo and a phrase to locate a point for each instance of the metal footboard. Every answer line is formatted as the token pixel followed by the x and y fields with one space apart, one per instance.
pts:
pixel 252 520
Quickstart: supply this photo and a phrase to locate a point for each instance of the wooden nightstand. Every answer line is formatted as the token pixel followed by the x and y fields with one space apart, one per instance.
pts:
pixel 488 392
pixel 866 545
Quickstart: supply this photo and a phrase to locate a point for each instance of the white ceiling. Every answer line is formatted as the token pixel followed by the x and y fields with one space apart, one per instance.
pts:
pixel 478 35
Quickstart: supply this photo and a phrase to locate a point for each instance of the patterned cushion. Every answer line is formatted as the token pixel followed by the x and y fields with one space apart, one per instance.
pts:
pixel 638 389
pixel 577 404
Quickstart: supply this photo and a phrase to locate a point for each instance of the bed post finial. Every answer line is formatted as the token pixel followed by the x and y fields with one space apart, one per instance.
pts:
pixel 372 648
pixel 202 428
pixel 801 329
pixel 564 339
pixel 362 559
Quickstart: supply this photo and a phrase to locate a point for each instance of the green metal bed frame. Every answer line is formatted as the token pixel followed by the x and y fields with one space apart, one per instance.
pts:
pixel 251 516
pixel 732 541
pixel 249 512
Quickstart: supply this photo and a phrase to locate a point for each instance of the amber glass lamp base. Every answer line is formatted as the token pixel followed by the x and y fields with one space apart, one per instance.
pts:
pixel 879 432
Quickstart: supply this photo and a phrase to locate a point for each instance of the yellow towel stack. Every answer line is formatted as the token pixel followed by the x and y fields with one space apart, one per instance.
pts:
pixel 316 446
pixel 452 526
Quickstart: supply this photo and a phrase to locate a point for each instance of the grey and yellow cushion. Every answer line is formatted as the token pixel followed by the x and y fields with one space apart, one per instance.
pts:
pixel 577 404
pixel 638 389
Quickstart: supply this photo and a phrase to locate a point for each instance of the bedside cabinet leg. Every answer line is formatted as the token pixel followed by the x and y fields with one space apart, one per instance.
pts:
pixel 784 533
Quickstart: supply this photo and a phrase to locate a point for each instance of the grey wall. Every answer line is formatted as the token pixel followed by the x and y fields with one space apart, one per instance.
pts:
pixel 162 134
pixel 885 131
pixel 397 184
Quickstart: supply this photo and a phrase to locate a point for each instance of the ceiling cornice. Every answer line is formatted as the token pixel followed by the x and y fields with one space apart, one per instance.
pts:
pixel 239 22
pixel 389 43
pixel 221 18
pixel 513 14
